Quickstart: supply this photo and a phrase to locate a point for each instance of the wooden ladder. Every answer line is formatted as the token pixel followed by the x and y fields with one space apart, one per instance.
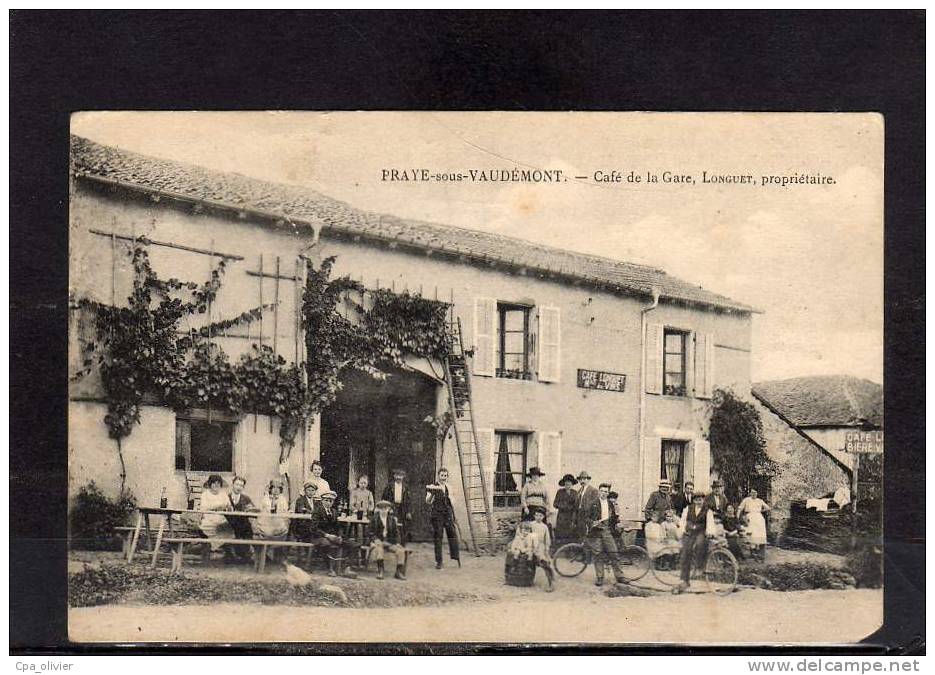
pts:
pixel 473 479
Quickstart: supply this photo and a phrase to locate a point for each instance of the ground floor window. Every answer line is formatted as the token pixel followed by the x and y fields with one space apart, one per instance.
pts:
pixel 675 462
pixel 203 444
pixel 510 468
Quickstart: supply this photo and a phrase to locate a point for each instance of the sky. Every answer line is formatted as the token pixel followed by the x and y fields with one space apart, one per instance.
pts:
pixel 810 257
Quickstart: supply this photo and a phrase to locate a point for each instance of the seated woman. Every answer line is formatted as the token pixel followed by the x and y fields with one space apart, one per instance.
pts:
pixel 669 557
pixel 654 533
pixel 214 525
pixel 531 545
pixel 271 526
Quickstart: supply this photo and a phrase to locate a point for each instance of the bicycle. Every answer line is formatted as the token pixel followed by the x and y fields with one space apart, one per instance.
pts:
pixel 571 559
pixel 720 570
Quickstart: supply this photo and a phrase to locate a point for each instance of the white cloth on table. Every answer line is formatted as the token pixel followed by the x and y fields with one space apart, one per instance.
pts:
pixel 842 496
pixel 756 524
pixel 817 503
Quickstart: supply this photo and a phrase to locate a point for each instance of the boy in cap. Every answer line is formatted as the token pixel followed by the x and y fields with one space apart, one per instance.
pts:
pixel 386 533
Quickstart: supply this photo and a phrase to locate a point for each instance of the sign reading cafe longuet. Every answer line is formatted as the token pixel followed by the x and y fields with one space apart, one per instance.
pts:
pixel 596 379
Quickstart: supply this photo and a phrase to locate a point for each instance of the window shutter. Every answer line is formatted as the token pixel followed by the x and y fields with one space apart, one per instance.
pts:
pixel 702 452
pixel 550 344
pixel 486 442
pixel 485 334
pixel 704 365
pixel 550 455
pixel 653 349
pixel 652 461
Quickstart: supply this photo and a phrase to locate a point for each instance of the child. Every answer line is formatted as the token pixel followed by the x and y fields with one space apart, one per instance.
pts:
pixel 668 558
pixel 534 541
pixel 655 534
pixel 362 498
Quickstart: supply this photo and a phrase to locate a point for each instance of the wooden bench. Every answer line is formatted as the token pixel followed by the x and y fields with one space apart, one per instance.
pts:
pixel 177 545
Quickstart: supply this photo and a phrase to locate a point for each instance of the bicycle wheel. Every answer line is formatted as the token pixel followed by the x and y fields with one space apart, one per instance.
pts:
pixel 720 571
pixel 666 566
pixel 634 562
pixel 571 560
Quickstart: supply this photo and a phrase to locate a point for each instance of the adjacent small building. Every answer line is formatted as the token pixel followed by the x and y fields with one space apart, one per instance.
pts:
pixel 806 421
pixel 579 362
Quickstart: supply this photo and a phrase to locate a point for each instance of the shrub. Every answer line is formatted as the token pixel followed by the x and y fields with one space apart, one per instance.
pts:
pixel 95 516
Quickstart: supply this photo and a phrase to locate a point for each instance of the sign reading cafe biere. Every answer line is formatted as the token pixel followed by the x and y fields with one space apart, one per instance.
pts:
pixel 596 379
pixel 870 442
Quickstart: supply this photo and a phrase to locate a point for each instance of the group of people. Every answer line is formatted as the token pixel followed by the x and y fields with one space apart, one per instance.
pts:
pixel 388 520
pixel 693 521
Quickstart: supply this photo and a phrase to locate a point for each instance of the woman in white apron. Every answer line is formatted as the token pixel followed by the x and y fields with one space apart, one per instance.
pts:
pixel 751 511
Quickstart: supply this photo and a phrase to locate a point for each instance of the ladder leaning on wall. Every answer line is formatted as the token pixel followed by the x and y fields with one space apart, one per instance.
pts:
pixel 476 491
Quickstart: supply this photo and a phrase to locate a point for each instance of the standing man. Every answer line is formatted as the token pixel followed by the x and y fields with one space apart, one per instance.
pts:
pixel 694 527
pixel 587 497
pixel 398 495
pixel 443 518
pixel 717 501
pixel 386 533
pixel 659 501
pixel 683 498
pixel 600 537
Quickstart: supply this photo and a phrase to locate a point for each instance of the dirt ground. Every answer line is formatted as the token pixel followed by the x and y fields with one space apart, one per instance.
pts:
pixel 576 611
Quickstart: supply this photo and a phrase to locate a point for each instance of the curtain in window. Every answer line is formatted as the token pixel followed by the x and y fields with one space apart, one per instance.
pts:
pixel 509 461
pixel 672 461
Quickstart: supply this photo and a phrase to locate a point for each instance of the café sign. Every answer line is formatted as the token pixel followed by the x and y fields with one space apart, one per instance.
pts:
pixel 869 442
pixel 597 379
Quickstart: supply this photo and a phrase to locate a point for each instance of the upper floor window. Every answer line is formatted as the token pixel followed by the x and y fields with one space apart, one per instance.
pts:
pixel 513 341
pixel 674 363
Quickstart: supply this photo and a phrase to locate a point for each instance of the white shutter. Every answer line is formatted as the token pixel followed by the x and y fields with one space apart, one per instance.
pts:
pixel 652 463
pixel 550 455
pixel 550 344
pixel 486 442
pixel 485 336
pixel 653 348
pixel 704 365
pixel 702 452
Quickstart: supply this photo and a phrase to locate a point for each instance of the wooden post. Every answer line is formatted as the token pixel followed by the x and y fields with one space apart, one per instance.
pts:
pixel 208 371
pixel 276 308
pixel 261 299
pixel 113 269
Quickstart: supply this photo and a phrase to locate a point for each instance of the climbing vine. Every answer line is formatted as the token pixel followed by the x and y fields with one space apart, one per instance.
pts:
pixel 143 353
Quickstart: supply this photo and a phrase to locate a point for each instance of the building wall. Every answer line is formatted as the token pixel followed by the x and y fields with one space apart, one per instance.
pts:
pixel 804 470
pixel 599 430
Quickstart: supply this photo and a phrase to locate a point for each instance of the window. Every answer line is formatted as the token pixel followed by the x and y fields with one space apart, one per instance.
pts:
pixel 510 471
pixel 201 445
pixel 674 363
pixel 513 342
pixel 673 462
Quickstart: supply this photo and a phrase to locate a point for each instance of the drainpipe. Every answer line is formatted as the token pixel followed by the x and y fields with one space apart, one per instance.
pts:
pixel 642 414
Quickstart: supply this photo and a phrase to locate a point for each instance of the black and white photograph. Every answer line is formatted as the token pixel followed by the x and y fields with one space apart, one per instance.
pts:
pixel 475 377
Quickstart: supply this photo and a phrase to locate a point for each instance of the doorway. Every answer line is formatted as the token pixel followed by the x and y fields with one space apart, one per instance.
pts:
pixel 375 426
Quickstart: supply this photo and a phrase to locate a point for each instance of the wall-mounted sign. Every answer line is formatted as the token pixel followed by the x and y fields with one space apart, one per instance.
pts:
pixel 596 379
pixel 864 442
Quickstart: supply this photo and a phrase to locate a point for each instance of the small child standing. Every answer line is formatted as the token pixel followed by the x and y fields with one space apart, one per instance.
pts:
pixel 362 498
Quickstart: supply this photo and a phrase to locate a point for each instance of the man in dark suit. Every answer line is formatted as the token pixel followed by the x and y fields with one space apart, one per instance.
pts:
pixel 694 544
pixel 717 501
pixel 587 497
pixel 659 501
pixel 327 532
pixel 442 517
pixel 387 534
pixel 683 498
pixel 397 494
pixel 305 504
pixel 602 520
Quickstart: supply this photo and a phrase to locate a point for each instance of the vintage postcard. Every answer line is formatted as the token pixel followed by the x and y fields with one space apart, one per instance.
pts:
pixel 515 377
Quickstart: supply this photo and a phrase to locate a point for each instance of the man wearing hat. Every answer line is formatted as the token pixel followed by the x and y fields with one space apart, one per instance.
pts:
pixel 587 497
pixel 659 501
pixel 305 504
pixel 397 493
pixel 717 500
pixel 387 534
pixel 326 532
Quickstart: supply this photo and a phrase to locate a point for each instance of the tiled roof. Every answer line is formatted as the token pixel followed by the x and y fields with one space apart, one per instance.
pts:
pixel 831 400
pixel 303 206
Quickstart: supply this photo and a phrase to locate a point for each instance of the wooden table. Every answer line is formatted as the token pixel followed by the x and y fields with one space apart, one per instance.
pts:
pixel 145 512
pixel 358 529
